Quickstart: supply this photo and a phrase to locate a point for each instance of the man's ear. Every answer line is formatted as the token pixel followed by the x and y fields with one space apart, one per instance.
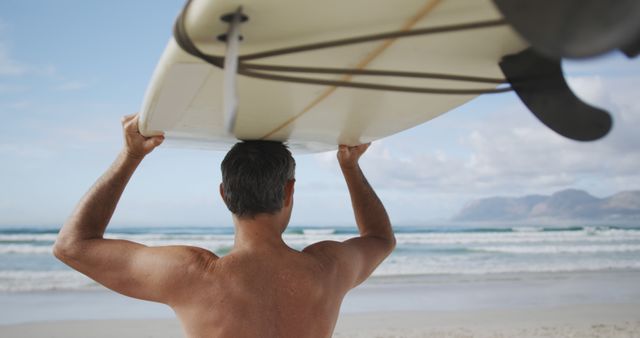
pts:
pixel 288 192
pixel 221 191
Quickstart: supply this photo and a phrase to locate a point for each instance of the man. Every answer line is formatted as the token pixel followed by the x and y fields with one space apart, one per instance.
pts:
pixel 262 288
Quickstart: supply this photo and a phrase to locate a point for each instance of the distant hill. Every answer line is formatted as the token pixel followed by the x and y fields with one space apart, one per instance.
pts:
pixel 568 204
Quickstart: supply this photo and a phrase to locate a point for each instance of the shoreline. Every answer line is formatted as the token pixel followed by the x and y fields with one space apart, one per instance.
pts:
pixel 601 320
pixel 389 294
pixel 409 279
pixel 559 304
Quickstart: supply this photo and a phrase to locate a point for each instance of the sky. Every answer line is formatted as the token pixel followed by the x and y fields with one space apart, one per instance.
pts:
pixel 69 69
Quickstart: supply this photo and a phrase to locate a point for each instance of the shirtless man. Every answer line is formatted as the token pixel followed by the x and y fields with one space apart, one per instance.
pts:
pixel 262 288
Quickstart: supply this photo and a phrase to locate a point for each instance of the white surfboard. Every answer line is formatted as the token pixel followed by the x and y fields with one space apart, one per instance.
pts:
pixel 185 101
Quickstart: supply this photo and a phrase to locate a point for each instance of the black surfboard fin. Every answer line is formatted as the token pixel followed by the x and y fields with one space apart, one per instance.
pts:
pixel 633 49
pixel 574 28
pixel 541 86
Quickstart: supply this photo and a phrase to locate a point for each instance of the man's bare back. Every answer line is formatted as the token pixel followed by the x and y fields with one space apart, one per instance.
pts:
pixel 262 288
pixel 277 293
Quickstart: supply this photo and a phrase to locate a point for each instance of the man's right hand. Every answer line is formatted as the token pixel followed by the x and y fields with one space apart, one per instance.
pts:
pixel 348 156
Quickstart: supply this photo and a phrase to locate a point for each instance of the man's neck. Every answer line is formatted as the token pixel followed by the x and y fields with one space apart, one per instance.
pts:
pixel 263 232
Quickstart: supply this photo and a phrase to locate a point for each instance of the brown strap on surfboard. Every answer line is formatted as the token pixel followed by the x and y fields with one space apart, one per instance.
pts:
pixel 263 71
pixel 371 86
pixel 375 37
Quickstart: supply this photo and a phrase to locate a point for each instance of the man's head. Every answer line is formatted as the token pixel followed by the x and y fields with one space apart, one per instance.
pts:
pixel 254 177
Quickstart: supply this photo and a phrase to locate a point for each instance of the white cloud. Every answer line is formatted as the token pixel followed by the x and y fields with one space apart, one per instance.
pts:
pixel 48 70
pixel 12 69
pixel 12 88
pixel 590 89
pixel 25 151
pixel 72 86
pixel 512 153
pixel 8 66
pixel 17 105
pixel 435 168
pixel 84 136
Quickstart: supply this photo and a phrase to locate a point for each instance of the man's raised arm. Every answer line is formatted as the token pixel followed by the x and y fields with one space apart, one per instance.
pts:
pixel 92 214
pixel 371 217
pixel 358 257
pixel 126 267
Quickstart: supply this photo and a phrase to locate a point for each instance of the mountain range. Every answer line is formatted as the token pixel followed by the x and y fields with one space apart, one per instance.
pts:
pixel 570 204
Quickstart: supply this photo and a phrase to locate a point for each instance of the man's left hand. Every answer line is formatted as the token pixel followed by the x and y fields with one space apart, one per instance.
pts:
pixel 137 146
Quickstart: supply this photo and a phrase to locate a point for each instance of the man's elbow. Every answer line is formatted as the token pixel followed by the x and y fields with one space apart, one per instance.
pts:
pixel 65 249
pixel 391 243
pixel 60 250
pixel 388 241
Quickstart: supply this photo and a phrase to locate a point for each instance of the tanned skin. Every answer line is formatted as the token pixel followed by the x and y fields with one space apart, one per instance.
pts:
pixel 262 288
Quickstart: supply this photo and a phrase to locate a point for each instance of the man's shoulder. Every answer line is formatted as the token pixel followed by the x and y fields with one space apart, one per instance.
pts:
pixel 190 256
pixel 188 250
pixel 325 251
pixel 322 247
pixel 338 261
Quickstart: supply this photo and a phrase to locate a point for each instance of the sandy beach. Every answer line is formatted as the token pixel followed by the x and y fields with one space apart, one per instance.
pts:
pixel 579 304
pixel 613 320
pixel 571 321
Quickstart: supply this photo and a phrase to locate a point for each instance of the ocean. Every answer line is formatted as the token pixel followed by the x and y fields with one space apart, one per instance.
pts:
pixel 26 262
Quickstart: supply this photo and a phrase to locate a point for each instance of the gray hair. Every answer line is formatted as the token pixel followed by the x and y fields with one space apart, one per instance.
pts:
pixel 254 175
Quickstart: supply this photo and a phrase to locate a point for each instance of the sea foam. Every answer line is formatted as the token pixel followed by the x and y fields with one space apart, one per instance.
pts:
pixel 26 262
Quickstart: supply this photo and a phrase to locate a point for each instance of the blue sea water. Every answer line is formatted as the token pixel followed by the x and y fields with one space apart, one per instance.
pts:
pixel 26 262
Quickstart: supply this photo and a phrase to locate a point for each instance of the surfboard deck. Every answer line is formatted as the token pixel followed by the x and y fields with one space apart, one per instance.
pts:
pixel 184 99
